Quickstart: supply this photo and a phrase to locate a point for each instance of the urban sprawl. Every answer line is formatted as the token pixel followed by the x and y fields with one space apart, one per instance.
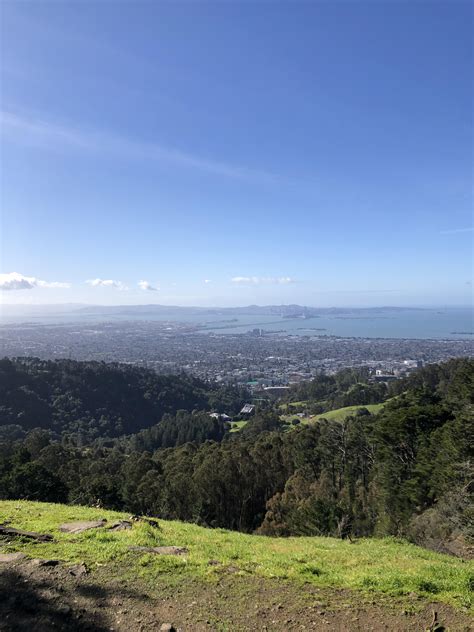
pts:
pixel 257 359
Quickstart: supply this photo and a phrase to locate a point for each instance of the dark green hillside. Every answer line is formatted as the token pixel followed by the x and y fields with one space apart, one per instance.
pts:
pixel 94 399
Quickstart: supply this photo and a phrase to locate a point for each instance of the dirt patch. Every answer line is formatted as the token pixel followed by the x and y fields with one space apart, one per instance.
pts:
pixel 43 597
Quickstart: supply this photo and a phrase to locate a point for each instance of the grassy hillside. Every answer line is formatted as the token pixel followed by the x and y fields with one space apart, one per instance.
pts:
pixel 339 414
pixel 236 426
pixel 369 566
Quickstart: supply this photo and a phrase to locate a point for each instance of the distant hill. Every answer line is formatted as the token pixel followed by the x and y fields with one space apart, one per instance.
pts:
pixel 38 314
pixel 98 399
pixel 175 310
pixel 285 311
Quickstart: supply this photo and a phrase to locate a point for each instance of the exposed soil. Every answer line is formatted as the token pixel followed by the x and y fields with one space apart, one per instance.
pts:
pixel 41 597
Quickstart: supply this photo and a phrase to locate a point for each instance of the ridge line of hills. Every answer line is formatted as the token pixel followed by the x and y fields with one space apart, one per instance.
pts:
pixel 263 310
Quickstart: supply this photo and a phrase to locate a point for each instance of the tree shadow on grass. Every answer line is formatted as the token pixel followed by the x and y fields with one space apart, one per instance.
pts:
pixel 42 603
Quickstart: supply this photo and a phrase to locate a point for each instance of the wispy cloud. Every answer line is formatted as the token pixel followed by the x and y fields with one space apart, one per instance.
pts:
pixel 207 281
pixel 255 280
pixel 454 231
pixel 51 135
pixel 352 291
pixel 118 285
pixel 145 285
pixel 17 281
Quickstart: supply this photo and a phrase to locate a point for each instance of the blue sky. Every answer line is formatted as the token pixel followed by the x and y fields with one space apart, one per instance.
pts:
pixel 235 153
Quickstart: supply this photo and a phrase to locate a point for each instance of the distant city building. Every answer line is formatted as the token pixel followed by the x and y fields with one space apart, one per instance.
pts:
pixel 276 391
pixel 221 416
pixel 248 410
pixel 381 377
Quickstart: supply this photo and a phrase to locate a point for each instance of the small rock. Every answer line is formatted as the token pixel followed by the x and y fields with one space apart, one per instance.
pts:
pixel 38 562
pixel 121 525
pixel 65 609
pixel 11 557
pixel 82 525
pixel 11 532
pixel 78 570
pixel 150 521
pixel 161 550
pixel 167 627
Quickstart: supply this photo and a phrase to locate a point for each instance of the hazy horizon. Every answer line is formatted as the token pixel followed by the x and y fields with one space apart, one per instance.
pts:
pixel 408 322
pixel 386 306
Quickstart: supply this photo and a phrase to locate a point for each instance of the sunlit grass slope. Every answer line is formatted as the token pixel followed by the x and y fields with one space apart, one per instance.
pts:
pixel 339 414
pixel 238 425
pixel 374 565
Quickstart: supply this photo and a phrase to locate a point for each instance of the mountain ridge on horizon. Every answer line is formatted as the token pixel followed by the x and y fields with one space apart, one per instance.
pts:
pixel 273 309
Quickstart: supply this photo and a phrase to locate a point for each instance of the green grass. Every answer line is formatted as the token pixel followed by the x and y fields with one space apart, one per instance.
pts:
pixel 236 426
pixel 290 405
pixel 375 566
pixel 339 414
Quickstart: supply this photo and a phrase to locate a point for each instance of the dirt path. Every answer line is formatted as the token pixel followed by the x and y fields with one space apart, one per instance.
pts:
pixel 45 598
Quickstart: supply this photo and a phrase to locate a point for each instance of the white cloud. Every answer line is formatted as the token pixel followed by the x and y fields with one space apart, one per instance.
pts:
pixel 48 134
pixel 207 281
pixel 57 284
pixel 145 285
pixel 454 231
pixel 17 281
pixel 107 283
pixel 255 280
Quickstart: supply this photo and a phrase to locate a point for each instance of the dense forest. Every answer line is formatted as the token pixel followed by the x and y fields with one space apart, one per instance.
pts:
pixel 95 399
pixel 149 446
